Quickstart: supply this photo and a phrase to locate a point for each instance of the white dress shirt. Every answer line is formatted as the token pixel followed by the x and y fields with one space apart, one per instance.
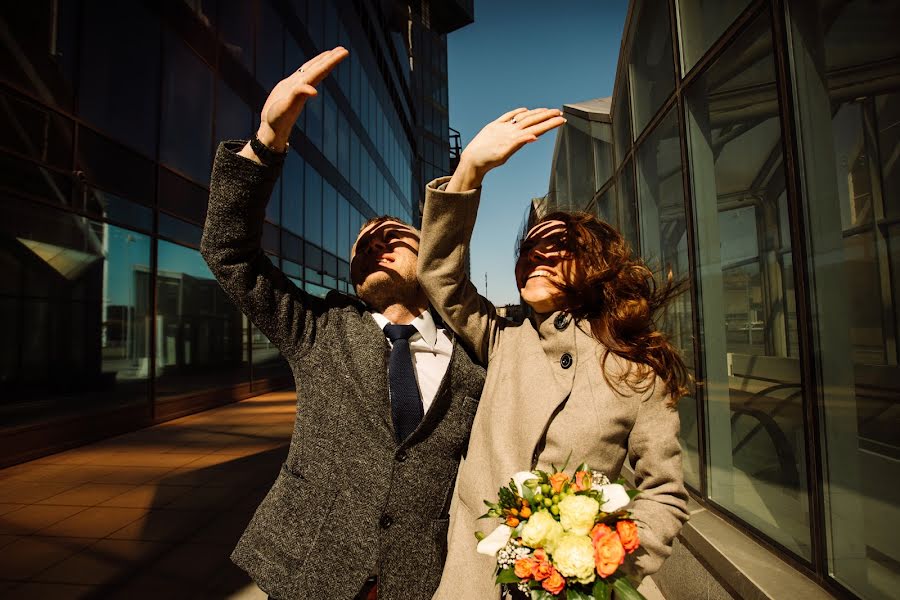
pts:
pixel 430 348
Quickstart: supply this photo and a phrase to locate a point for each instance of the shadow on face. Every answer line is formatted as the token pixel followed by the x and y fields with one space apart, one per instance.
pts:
pixel 389 246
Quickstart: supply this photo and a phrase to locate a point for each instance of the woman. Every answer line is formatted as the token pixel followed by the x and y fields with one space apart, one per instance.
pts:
pixel 586 375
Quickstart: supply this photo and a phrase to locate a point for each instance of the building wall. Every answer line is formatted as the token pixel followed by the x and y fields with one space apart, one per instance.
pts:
pixel 756 153
pixel 112 112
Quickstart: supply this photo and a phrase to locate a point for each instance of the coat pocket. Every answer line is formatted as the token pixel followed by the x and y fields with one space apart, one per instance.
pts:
pixel 287 524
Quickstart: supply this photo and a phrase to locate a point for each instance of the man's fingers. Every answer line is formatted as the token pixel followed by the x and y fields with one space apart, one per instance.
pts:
pixel 323 64
pixel 544 126
pixel 507 116
pixel 529 114
pixel 304 89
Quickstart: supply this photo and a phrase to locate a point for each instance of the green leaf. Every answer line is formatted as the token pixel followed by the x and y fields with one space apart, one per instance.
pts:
pixel 601 590
pixel 507 576
pixel 541 594
pixel 528 493
pixel 480 535
pixel 566 464
pixel 573 594
pixel 582 467
pixel 624 589
pixel 632 493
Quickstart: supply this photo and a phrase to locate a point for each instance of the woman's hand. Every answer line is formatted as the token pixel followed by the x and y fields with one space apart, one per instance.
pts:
pixel 499 140
pixel 287 98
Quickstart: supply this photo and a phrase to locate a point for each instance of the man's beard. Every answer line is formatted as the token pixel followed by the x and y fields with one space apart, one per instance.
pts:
pixel 387 288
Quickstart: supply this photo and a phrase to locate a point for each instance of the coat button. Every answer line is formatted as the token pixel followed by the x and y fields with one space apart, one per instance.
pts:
pixel 400 456
pixel 561 321
pixel 565 361
pixel 386 521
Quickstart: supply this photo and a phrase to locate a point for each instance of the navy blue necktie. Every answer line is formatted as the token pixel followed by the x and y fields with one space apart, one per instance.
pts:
pixel 406 403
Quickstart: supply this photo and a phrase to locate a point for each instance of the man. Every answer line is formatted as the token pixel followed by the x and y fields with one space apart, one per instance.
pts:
pixel 364 494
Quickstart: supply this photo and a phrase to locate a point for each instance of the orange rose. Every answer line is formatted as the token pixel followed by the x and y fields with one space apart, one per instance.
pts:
pixel 524 567
pixel 608 554
pixel 555 583
pixel 557 480
pixel 541 570
pixel 583 480
pixel 628 533
pixel 600 530
pixel 540 555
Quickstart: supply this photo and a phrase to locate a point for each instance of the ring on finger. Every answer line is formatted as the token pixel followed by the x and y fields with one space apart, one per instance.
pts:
pixel 514 121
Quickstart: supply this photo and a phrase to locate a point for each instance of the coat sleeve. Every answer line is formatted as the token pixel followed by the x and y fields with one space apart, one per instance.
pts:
pixel 447 224
pixel 660 510
pixel 231 245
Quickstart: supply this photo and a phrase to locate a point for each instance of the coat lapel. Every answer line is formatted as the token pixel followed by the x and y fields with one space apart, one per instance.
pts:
pixel 367 350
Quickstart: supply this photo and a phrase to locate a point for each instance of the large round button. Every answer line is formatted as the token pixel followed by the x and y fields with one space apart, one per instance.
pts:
pixel 561 321
pixel 386 521
pixel 565 361
pixel 401 455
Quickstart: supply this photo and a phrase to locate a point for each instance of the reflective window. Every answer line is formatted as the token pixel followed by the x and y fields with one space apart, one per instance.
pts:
pixel 234 120
pixel 312 206
pixel 293 192
pixel 270 68
pixel 651 70
pixel 621 117
pixel 185 141
pixel 114 168
pixel 754 386
pixel 119 75
pixel 200 333
pixel 664 247
pixel 235 24
pixel 74 304
pixel 344 239
pixel 848 115
pixel 701 22
pixel 329 217
pixel 627 208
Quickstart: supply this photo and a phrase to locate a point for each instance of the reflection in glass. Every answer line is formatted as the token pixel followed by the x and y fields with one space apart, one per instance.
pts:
pixel 119 76
pixel 664 247
pixel 700 23
pixel 756 439
pixel 848 110
pixel 627 209
pixel 74 314
pixel 200 334
pixel 185 140
pixel 650 70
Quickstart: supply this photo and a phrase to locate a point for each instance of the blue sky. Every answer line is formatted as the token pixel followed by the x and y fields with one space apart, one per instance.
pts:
pixel 524 53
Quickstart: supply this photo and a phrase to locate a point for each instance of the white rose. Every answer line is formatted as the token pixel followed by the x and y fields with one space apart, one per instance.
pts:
pixel 614 497
pixel 541 530
pixel 574 557
pixel 496 540
pixel 577 512
pixel 520 478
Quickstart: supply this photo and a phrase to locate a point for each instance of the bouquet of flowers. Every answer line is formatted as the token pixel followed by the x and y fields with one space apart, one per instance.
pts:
pixel 562 536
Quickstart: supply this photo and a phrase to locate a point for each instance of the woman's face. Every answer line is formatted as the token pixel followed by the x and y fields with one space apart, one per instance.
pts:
pixel 543 267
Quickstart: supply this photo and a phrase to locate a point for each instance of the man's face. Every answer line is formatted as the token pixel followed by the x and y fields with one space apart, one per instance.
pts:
pixel 544 265
pixel 384 258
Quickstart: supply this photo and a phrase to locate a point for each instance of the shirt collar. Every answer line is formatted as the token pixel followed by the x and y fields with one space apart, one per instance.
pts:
pixel 424 324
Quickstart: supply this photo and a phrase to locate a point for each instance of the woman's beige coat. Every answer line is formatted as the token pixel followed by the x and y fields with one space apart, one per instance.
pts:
pixel 538 406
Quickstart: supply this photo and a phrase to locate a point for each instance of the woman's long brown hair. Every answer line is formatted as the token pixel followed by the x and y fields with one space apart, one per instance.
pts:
pixel 617 294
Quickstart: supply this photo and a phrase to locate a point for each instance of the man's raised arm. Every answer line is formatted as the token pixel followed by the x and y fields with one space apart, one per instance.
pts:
pixel 241 183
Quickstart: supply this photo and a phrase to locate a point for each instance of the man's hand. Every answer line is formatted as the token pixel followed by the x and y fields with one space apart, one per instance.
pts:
pixel 499 140
pixel 283 106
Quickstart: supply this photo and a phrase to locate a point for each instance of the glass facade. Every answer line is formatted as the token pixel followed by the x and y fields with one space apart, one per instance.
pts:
pixel 757 155
pixel 113 112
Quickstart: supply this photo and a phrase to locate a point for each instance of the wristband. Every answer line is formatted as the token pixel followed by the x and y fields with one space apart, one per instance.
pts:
pixel 267 155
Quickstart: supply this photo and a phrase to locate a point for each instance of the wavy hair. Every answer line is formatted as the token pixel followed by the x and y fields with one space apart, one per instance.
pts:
pixel 617 294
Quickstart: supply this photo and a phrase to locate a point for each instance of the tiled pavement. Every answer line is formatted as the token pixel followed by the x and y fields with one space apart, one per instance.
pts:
pixel 149 514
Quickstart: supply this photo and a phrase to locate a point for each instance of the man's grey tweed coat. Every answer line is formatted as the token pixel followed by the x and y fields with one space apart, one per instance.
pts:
pixel 348 502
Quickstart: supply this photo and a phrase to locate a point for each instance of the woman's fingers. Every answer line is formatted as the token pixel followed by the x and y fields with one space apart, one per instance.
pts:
pixel 536 116
pixel 542 127
pixel 508 116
